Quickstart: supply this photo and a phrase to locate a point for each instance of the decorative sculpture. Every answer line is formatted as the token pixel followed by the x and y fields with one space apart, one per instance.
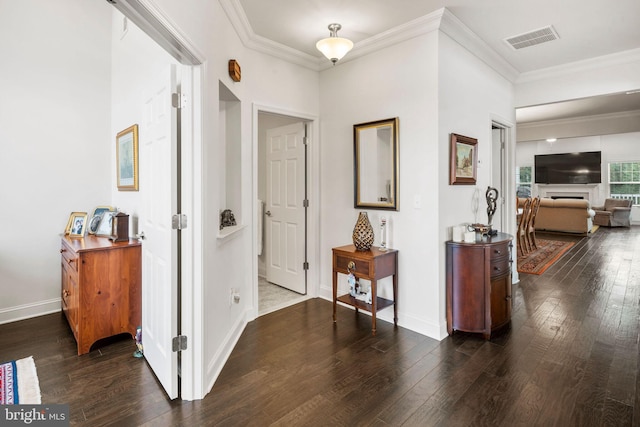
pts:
pixel 492 197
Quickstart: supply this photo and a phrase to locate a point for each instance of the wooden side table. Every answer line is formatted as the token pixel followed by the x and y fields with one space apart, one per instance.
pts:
pixel 372 265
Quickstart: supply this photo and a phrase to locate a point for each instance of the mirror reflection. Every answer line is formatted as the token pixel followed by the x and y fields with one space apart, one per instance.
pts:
pixel 376 164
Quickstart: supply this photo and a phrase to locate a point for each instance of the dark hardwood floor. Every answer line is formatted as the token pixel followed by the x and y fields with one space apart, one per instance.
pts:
pixel 570 358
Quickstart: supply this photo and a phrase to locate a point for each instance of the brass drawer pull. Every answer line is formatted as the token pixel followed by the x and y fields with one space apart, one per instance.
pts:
pixel 351 266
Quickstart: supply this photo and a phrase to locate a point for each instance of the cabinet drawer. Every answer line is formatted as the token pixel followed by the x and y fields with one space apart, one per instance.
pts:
pixel 499 251
pixel 499 267
pixel 362 267
pixel 69 258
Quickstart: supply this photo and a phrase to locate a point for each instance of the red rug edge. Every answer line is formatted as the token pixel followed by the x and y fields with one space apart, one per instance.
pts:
pixel 551 261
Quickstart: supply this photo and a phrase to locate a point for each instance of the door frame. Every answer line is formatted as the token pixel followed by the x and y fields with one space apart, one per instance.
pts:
pixel 508 179
pixel 157 26
pixel 313 195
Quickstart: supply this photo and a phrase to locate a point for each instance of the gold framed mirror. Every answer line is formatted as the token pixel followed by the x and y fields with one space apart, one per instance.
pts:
pixel 376 164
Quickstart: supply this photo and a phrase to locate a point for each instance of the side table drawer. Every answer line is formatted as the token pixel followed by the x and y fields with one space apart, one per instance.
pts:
pixel 362 267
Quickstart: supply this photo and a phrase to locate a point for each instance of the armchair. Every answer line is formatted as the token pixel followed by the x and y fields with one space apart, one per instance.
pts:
pixel 614 213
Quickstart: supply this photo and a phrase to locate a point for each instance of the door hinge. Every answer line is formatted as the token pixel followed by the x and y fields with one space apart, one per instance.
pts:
pixel 179 343
pixel 305 140
pixel 178 100
pixel 305 203
pixel 179 222
pixel 305 265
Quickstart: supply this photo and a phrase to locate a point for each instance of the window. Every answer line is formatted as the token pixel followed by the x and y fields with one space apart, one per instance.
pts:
pixel 624 181
pixel 523 181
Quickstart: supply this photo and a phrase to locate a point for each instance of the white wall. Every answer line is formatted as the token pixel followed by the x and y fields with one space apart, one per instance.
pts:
pixel 614 148
pixel 471 95
pixel 359 91
pixel 54 128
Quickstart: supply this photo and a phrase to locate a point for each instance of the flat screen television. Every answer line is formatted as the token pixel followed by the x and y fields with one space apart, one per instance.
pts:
pixel 568 168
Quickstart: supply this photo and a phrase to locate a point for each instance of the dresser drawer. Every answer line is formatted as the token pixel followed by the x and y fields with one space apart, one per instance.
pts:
pixel 69 258
pixel 499 251
pixel 499 267
pixel 362 267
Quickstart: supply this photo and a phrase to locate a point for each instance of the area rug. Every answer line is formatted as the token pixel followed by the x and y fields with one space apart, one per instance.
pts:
pixel 548 252
pixel 19 382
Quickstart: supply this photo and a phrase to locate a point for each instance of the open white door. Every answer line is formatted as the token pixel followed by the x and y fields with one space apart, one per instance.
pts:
pixel 285 211
pixel 158 189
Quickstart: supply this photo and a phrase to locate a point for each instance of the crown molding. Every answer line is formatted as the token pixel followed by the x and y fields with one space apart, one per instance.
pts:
pixel 463 35
pixel 581 119
pixel 573 68
pixel 441 19
pixel 253 41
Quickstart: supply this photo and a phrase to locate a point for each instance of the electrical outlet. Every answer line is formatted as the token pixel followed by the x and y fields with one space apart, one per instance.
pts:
pixel 417 202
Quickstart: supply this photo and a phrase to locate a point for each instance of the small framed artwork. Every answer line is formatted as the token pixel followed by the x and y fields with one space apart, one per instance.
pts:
pixel 463 160
pixel 127 159
pixel 95 218
pixel 72 216
pixel 106 222
pixel 78 224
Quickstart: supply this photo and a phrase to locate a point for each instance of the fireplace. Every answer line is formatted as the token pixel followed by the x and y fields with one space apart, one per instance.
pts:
pixel 589 192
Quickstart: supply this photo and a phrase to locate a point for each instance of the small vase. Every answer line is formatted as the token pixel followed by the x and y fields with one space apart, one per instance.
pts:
pixel 363 233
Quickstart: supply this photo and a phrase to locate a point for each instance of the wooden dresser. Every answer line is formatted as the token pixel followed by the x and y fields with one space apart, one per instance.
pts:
pixel 101 288
pixel 479 285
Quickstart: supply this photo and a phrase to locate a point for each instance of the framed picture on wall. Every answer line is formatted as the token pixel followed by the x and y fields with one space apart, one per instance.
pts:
pixel 127 159
pixel 463 160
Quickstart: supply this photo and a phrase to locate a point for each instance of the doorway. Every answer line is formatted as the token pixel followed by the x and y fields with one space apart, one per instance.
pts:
pixel 282 211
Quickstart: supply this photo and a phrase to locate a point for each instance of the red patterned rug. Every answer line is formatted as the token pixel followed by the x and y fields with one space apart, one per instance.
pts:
pixel 19 382
pixel 548 252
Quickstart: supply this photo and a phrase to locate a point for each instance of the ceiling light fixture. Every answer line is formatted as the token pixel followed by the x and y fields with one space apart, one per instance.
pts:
pixel 551 139
pixel 334 47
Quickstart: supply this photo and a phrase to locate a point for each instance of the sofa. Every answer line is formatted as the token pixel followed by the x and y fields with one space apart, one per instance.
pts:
pixel 614 213
pixel 564 215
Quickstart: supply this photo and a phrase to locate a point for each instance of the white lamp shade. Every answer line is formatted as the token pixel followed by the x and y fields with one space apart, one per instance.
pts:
pixel 334 48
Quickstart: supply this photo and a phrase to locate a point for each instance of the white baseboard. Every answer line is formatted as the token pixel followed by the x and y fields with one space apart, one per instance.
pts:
pixel 421 326
pixel 218 361
pixel 27 311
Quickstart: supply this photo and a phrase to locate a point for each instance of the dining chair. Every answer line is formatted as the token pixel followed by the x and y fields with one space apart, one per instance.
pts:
pixel 531 222
pixel 523 244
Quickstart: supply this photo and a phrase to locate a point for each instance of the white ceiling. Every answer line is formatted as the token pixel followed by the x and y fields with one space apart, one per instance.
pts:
pixel 586 29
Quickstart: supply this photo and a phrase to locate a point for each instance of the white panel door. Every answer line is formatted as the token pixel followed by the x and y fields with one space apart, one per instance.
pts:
pixel 158 188
pixel 285 213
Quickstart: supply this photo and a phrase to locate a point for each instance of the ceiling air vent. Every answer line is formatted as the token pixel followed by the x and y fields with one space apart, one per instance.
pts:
pixel 532 38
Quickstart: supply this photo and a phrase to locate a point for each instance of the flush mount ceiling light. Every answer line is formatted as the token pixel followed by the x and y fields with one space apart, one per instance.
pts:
pixel 551 139
pixel 334 47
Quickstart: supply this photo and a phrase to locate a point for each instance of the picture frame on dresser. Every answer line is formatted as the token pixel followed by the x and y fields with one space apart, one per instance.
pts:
pixel 106 223
pixel 463 159
pixel 78 224
pixel 96 217
pixel 127 159
pixel 72 215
